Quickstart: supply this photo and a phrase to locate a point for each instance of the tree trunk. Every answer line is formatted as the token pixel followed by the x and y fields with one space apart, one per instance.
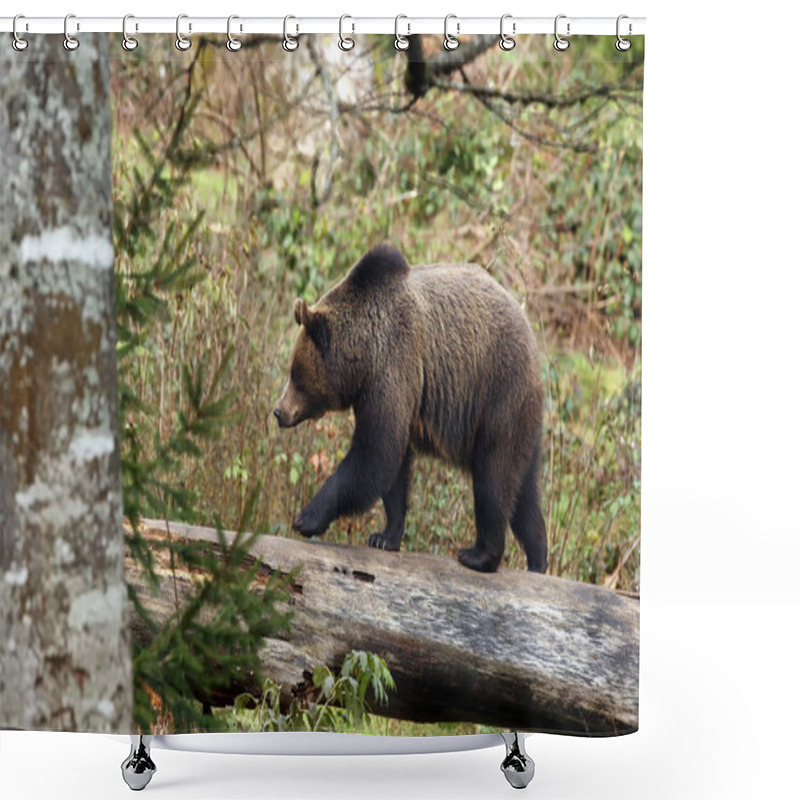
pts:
pixel 512 649
pixel 64 648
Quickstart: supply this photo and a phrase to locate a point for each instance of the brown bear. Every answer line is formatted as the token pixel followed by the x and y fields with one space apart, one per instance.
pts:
pixel 436 359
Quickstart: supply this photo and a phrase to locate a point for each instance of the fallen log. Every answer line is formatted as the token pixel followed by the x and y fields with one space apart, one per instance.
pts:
pixel 513 649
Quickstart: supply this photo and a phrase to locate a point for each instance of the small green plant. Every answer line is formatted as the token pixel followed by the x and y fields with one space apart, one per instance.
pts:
pixel 339 701
pixel 237 471
pixel 211 640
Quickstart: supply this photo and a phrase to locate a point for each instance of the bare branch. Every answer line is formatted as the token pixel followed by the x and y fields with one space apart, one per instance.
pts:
pixel 452 60
pixel 255 40
pixel 550 100
pixel 422 74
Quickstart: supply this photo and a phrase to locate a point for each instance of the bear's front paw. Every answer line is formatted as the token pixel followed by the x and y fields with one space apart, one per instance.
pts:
pixel 383 541
pixel 309 524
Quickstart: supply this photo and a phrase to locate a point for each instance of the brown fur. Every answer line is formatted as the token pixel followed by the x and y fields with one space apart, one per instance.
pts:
pixel 438 357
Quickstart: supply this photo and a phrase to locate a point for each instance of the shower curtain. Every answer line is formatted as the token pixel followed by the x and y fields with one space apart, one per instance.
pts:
pixel 321 384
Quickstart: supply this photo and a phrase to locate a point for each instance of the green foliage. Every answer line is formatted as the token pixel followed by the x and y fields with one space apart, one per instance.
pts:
pixel 597 210
pixel 211 640
pixel 593 473
pixel 338 702
pixel 547 197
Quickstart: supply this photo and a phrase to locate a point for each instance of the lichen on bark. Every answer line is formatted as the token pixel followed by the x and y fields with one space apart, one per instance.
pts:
pixel 64 648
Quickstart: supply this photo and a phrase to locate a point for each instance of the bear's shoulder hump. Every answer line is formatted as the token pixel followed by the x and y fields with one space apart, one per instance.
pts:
pixel 381 264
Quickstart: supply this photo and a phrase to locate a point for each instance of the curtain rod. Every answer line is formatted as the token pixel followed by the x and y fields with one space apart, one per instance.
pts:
pixel 241 26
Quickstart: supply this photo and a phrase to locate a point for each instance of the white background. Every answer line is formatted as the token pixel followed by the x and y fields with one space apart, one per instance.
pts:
pixel 721 539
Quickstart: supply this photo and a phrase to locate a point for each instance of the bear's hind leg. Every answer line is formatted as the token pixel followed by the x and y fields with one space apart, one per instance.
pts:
pixel 492 506
pixel 395 503
pixel 527 521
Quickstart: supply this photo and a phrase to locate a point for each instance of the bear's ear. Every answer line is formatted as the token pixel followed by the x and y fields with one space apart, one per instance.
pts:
pixel 301 312
pixel 319 330
pixel 315 323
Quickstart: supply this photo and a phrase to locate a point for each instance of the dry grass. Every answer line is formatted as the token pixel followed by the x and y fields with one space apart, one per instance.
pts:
pixel 554 226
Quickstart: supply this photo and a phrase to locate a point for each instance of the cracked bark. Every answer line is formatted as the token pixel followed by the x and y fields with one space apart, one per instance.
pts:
pixel 511 649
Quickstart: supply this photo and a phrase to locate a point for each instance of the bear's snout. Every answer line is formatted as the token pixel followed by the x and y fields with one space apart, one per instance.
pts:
pixel 285 418
pixel 289 411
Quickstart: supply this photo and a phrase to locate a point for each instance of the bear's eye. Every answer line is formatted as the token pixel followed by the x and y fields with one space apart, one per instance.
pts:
pixel 293 375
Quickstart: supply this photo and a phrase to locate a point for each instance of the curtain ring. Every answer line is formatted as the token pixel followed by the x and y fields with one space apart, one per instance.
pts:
pixel 18 43
pixel 181 42
pixel 70 42
pixel 400 42
pixel 128 42
pixel 507 42
pixel 345 42
pixel 233 44
pixel 560 43
pixel 450 42
pixel 290 43
pixel 622 44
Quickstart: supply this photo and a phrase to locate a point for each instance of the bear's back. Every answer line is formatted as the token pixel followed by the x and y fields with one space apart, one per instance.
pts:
pixel 479 357
pixel 463 304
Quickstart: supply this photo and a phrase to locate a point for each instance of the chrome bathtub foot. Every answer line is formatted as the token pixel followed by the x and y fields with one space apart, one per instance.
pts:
pixel 517 766
pixel 138 768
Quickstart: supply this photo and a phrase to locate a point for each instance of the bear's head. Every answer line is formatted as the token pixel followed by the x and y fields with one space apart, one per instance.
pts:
pixel 311 389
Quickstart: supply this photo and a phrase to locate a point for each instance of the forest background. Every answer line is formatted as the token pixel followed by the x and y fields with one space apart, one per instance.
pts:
pixel 244 180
